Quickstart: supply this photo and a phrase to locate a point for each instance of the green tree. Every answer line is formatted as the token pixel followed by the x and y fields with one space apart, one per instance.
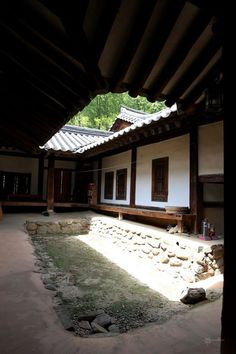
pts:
pixel 101 112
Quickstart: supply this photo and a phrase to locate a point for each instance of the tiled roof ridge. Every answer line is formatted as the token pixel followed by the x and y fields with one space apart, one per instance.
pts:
pixel 84 130
pixel 164 113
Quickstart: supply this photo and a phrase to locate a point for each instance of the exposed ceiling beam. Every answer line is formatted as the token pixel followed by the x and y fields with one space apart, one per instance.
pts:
pixel 172 64
pixel 134 37
pixel 198 89
pixel 194 70
pixel 165 24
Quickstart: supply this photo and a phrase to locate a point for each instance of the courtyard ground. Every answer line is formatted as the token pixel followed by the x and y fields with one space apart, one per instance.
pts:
pixel 29 323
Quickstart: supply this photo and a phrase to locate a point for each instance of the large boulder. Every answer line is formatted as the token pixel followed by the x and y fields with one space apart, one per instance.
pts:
pixel 193 295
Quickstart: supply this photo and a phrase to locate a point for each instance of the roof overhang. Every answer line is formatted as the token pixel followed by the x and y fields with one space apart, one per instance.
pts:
pixel 56 56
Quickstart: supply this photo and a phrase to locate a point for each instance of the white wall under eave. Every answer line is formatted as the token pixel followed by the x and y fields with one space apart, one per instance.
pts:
pixel 211 148
pixel 22 165
pixel 177 149
pixel 113 163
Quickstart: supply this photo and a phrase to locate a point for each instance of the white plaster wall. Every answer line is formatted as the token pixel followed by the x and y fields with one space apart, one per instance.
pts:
pixel 177 149
pixel 211 148
pixel 23 165
pixel 113 163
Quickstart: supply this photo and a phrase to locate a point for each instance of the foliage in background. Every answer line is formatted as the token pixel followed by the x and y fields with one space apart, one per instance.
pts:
pixel 103 109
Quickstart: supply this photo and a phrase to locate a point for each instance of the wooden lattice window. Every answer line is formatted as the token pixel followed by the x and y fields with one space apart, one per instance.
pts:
pixel 12 183
pixel 160 169
pixel 108 190
pixel 121 184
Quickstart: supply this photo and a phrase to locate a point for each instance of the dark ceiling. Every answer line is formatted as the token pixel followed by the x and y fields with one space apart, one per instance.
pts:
pixel 55 56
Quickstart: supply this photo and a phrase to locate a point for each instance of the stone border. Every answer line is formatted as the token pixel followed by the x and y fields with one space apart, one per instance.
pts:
pixel 181 259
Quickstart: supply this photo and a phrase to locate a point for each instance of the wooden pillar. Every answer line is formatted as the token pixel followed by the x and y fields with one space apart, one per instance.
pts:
pixel 133 177
pixel 99 181
pixel 40 175
pixel 50 194
pixel 195 187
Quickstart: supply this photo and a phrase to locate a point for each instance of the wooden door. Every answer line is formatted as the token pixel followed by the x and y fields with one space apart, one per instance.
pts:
pixel 62 185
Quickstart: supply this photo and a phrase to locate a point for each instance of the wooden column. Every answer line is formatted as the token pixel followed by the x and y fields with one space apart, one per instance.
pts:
pixel 50 194
pixel 133 177
pixel 40 175
pixel 195 187
pixel 99 181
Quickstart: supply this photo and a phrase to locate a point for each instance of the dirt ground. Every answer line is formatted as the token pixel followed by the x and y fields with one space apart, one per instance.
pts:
pixel 84 280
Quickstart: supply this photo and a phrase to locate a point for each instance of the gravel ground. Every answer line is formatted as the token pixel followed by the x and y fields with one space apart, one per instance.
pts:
pixel 84 280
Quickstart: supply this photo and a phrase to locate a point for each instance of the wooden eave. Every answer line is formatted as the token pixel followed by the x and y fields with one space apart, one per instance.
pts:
pixel 167 128
pixel 56 56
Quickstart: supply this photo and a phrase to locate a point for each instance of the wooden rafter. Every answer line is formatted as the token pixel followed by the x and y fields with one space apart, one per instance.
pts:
pixel 169 16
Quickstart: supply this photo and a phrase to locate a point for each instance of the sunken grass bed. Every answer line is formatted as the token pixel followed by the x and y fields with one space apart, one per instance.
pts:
pixel 83 280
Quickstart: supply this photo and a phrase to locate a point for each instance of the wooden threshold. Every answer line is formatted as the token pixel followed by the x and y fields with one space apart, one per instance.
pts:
pixel 19 203
pixel 62 205
pixel 71 205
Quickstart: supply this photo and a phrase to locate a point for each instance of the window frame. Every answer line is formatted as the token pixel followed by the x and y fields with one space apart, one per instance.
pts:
pixel 160 196
pixel 121 194
pixel 20 183
pixel 108 185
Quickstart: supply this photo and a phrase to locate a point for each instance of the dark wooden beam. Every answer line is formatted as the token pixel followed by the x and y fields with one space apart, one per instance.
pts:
pixel 57 52
pixel 27 54
pixel 23 204
pixel 50 183
pixel 201 86
pixel 132 43
pixel 214 178
pixel 199 23
pixel 195 69
pixel 42 82
pixel 78 45
pixel 213 204
pixel 99 29
pixel 195 195
pixel 99 180
pixel 170 13
pixel 40 174
pixel 133 177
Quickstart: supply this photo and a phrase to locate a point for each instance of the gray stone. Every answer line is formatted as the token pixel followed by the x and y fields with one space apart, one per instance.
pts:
pixel 84 325
pixel 97 328
pixel 198 269
pixel 65 319
pixel 175 262
pixel 155 252
pixel 205 275
pixel 51 287
pixel 164 259
pixel 173 230
pixel 31 226
pixel 90 315
pixel 182 255
pixel 113 328
pixel 103 319
pixel 153 243
pixel 218 252
pixel 163 247
pixel 146 249
pixel 171 254
pixel 193 296
pixel 42 230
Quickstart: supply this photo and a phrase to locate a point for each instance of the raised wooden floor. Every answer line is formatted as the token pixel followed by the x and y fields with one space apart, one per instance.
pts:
pixel 180 219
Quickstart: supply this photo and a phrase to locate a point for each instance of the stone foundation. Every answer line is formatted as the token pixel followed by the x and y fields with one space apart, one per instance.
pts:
pixel 179 256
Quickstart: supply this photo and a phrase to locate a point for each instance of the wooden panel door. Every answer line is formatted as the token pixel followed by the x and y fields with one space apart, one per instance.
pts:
pixel 62 185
